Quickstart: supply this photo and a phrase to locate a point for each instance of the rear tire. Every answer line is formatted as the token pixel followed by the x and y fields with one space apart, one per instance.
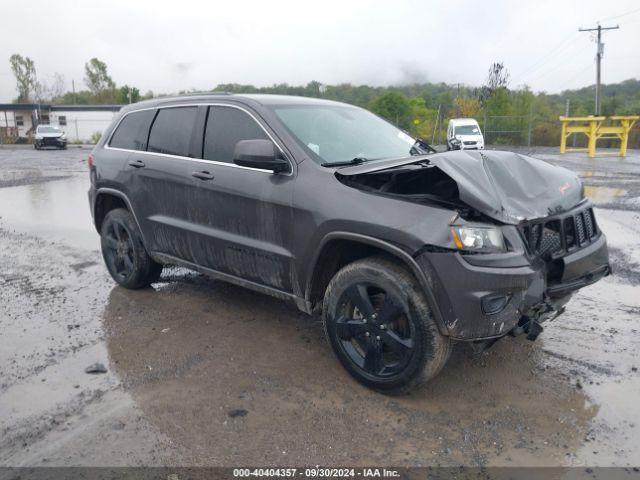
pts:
pixel 399 345
pixel 125 256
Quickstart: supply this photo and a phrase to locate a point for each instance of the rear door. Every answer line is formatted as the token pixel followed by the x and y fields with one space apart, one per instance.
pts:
pixel 129 136
pixel 240 218
pixel 160 182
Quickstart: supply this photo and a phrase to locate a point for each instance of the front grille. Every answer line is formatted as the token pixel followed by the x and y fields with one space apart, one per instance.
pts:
pixel 50 141
pixel 553 237
pixel 469 142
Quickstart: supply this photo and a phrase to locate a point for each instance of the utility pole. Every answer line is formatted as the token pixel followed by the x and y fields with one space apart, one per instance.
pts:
pixel 567 109
pixel 73 87
pixel 435 127
pixel 530 125
pixel 599 53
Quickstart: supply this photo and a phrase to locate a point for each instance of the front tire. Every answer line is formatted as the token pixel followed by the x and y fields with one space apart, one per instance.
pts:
pixel 124 253
pixel 380 326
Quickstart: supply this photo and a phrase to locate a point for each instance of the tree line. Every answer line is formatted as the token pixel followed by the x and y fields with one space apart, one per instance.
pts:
pixel 507 115
pixel 101 89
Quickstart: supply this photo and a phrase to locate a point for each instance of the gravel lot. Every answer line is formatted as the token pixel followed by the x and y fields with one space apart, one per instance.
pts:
pixel 205 373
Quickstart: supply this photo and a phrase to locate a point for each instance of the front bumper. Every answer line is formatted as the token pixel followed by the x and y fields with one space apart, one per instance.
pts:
pixel 464 287
pixel 458 146
pixel 58 142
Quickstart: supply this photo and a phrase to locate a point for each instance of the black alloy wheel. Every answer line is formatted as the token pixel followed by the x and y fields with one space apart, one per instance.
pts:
pixel 124 253
pixel 379 324
pixel 118 250
pixel 374 331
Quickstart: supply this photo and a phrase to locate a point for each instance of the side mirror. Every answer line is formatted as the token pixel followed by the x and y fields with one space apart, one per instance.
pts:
pixel 260 154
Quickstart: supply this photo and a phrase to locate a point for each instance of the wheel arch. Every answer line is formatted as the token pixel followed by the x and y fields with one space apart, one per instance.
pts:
pixel 108 199
pixel 338 249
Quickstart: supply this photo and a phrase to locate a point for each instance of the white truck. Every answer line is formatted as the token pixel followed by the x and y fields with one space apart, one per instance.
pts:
pixel 464 134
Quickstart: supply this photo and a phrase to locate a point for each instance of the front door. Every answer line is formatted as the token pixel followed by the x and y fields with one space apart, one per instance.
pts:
pixel 240 218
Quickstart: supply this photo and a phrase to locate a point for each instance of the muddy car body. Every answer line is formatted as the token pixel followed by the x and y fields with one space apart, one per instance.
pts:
pixel 332 208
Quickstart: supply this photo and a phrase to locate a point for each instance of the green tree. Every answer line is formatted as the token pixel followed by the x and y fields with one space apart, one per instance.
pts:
pixel 83 97
pixel 25 72
pixel 393 106
pixel 127 94
pixel 98 80
pixel 445 100
pixel 467 107
pixel 422 118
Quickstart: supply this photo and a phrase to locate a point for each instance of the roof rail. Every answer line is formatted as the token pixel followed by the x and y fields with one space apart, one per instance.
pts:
pixel 199 94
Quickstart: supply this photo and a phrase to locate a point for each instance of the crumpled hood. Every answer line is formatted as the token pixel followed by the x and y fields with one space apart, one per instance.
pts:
pixel 505 186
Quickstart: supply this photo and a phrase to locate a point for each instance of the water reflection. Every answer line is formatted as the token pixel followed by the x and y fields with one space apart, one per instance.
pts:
pixel 55 210
pixel 603 194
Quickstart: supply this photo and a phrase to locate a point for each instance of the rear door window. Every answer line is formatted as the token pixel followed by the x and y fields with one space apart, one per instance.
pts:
pixel 171 131
pixel 226 126
pixel 133 130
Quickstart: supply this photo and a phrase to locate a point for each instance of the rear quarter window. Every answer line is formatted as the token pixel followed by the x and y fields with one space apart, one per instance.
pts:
pixel 133 130
pixel 171 131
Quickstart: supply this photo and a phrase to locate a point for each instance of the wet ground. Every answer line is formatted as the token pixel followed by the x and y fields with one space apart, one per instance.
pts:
pixel 205 373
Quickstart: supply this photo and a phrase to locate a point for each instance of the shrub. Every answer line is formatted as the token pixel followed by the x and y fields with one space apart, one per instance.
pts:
pixel 95 137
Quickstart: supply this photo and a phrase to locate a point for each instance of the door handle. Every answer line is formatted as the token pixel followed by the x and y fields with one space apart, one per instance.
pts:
pixel 136 163
pixel 202 175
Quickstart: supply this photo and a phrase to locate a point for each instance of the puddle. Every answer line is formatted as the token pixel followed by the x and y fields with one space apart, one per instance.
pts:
pixel 59 383
pixel 618 424
pixel 57 211
pixel 207 347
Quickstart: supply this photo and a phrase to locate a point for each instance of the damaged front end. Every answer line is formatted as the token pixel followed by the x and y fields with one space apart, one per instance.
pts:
pixel 521 241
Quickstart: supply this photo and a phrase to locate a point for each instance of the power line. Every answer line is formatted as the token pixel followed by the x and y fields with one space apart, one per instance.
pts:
pixel 566 42
pixel 544 59
pixel 573 77
pixel 630 12
pixel 599 53
pixel 554 67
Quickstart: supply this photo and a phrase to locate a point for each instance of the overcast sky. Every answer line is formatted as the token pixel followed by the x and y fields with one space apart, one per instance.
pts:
pixel 177 45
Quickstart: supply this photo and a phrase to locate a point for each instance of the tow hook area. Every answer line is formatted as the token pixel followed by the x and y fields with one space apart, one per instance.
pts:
pixel 531 326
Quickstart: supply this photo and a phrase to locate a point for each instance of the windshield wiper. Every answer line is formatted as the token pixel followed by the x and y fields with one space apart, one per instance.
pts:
pixel 353 161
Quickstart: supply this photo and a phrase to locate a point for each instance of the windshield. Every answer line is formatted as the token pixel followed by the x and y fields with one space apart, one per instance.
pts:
pixel 340 133
pixel 467 130
pixel 42 129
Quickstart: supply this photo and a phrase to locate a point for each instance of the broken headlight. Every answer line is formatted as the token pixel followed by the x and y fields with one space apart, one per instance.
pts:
pixel 478 239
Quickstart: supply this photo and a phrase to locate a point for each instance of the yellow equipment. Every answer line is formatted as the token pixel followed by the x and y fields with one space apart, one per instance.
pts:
pixel 594 129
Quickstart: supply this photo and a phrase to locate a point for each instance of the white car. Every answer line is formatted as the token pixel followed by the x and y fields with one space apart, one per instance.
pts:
pixel 46 136
pixel 464 134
